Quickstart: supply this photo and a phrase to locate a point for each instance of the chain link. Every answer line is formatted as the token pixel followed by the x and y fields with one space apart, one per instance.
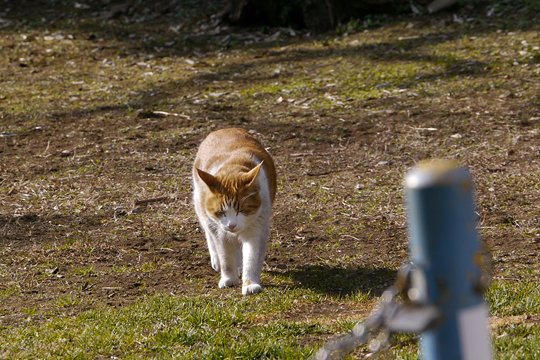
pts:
pixel 362 332
pixel 377 329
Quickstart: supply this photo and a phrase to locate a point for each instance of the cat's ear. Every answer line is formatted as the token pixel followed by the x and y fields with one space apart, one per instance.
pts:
pixel 250 177
pixel 209 180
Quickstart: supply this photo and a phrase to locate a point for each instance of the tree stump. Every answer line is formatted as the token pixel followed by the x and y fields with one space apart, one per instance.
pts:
pixel 316 15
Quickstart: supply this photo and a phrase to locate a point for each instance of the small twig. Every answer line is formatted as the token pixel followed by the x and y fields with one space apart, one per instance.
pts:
pixel 112 288
pixel 165 113
pixel 350 236
pixel 322 173
pixel 44 153
pixel 423 129
pixel 151 200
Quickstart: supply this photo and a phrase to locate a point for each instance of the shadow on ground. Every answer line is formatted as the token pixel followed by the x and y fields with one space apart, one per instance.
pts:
pixel 343 281
pixel 184 28
pixel 33 228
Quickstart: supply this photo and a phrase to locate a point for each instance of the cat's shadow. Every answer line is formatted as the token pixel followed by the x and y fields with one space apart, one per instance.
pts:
pixel 342 281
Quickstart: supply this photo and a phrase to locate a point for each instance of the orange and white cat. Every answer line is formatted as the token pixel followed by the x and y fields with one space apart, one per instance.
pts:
pixel 234 186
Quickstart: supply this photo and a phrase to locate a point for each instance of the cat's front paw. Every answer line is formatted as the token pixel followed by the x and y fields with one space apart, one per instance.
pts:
pixel 227 282
pixel 251 289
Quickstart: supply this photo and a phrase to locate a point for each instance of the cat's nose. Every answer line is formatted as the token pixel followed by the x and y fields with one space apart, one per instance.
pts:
pixel 231 226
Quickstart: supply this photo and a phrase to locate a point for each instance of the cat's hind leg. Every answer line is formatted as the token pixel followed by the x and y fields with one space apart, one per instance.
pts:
pixel 211 238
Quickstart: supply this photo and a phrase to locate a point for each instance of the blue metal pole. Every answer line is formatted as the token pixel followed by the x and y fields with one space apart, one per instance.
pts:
pixel 444 244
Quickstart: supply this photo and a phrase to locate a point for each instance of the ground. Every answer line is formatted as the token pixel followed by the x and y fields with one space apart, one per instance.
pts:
pixel 103 104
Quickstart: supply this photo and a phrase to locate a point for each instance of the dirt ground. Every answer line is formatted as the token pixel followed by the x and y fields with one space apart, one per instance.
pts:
pixel 102 109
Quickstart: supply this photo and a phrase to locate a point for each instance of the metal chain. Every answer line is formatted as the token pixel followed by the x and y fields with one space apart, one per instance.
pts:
pixel 413 314
pixel 377 329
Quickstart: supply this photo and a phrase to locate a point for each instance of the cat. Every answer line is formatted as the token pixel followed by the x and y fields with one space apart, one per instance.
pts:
pixel 234 187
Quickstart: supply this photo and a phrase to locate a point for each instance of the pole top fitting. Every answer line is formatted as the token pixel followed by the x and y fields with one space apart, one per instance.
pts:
pixel 436 172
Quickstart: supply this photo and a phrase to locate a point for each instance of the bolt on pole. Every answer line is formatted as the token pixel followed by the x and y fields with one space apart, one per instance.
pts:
pixel 444 245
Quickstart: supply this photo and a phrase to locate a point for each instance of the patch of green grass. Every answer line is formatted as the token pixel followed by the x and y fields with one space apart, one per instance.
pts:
pixel 510 297
pixel 9 290
pixel 149 266
pixel 46 269
pixel 405 347
pixel 165 327
pixel 68 300
pixel 85 271
pixel 372 80
pixel 281 299
pixel 70 243
pixel 122 269
pixel 30 311
pixel 518 341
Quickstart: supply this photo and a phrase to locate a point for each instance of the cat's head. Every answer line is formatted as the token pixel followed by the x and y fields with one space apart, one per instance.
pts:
pixel 233 200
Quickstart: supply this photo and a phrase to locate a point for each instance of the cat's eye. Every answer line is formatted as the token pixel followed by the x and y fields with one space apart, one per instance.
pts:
pixel 220 213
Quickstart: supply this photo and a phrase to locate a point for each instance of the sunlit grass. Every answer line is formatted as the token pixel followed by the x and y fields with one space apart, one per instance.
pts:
pixel 167 327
